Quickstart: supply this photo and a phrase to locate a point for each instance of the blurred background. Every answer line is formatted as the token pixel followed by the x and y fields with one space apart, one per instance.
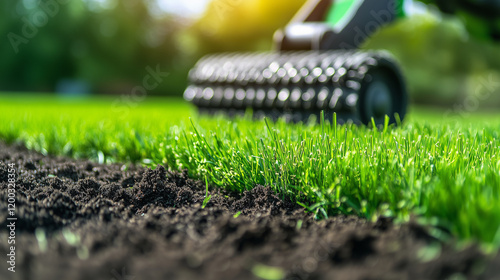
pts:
pixel 108 46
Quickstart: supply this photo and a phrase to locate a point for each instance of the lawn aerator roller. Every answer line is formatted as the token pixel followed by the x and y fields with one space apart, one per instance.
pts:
pixel 317 66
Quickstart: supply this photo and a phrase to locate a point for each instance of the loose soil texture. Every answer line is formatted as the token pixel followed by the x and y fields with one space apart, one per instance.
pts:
pixel 81 220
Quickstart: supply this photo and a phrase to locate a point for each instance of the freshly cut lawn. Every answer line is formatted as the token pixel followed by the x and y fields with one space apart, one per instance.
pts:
pixel 445 172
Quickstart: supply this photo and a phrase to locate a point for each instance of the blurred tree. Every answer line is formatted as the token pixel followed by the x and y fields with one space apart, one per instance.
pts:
pixel 108 44
pixel 480 17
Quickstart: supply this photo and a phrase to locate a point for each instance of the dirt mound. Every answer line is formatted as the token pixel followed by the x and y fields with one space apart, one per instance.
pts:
pixel 81 220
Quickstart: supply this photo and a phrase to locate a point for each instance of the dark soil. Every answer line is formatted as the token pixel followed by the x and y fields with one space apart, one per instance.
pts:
pixel 82 220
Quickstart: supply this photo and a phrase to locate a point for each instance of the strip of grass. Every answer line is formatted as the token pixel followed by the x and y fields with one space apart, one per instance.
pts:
pixel 443 171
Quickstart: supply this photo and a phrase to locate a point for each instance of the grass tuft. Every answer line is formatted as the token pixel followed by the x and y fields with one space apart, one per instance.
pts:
pixel 446 173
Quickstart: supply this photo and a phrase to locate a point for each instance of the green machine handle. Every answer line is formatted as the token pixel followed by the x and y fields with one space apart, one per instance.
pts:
pixel 337 24
pixel 347 24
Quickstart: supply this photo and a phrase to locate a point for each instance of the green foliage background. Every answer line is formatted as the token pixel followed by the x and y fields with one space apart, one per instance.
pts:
pixel 109 46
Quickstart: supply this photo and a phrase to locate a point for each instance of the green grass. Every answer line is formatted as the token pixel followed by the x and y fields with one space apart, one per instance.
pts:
pixel 446 173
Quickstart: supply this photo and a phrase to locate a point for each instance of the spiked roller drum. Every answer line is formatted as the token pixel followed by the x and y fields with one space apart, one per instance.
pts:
pixel 356 85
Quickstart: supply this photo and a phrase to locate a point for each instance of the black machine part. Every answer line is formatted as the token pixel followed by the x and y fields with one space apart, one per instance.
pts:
pixel 296 85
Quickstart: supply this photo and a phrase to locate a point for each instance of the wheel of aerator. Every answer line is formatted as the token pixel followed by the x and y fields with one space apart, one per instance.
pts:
pixel 382 94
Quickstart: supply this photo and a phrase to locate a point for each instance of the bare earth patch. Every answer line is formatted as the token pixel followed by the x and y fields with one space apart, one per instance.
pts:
pixel 82 220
